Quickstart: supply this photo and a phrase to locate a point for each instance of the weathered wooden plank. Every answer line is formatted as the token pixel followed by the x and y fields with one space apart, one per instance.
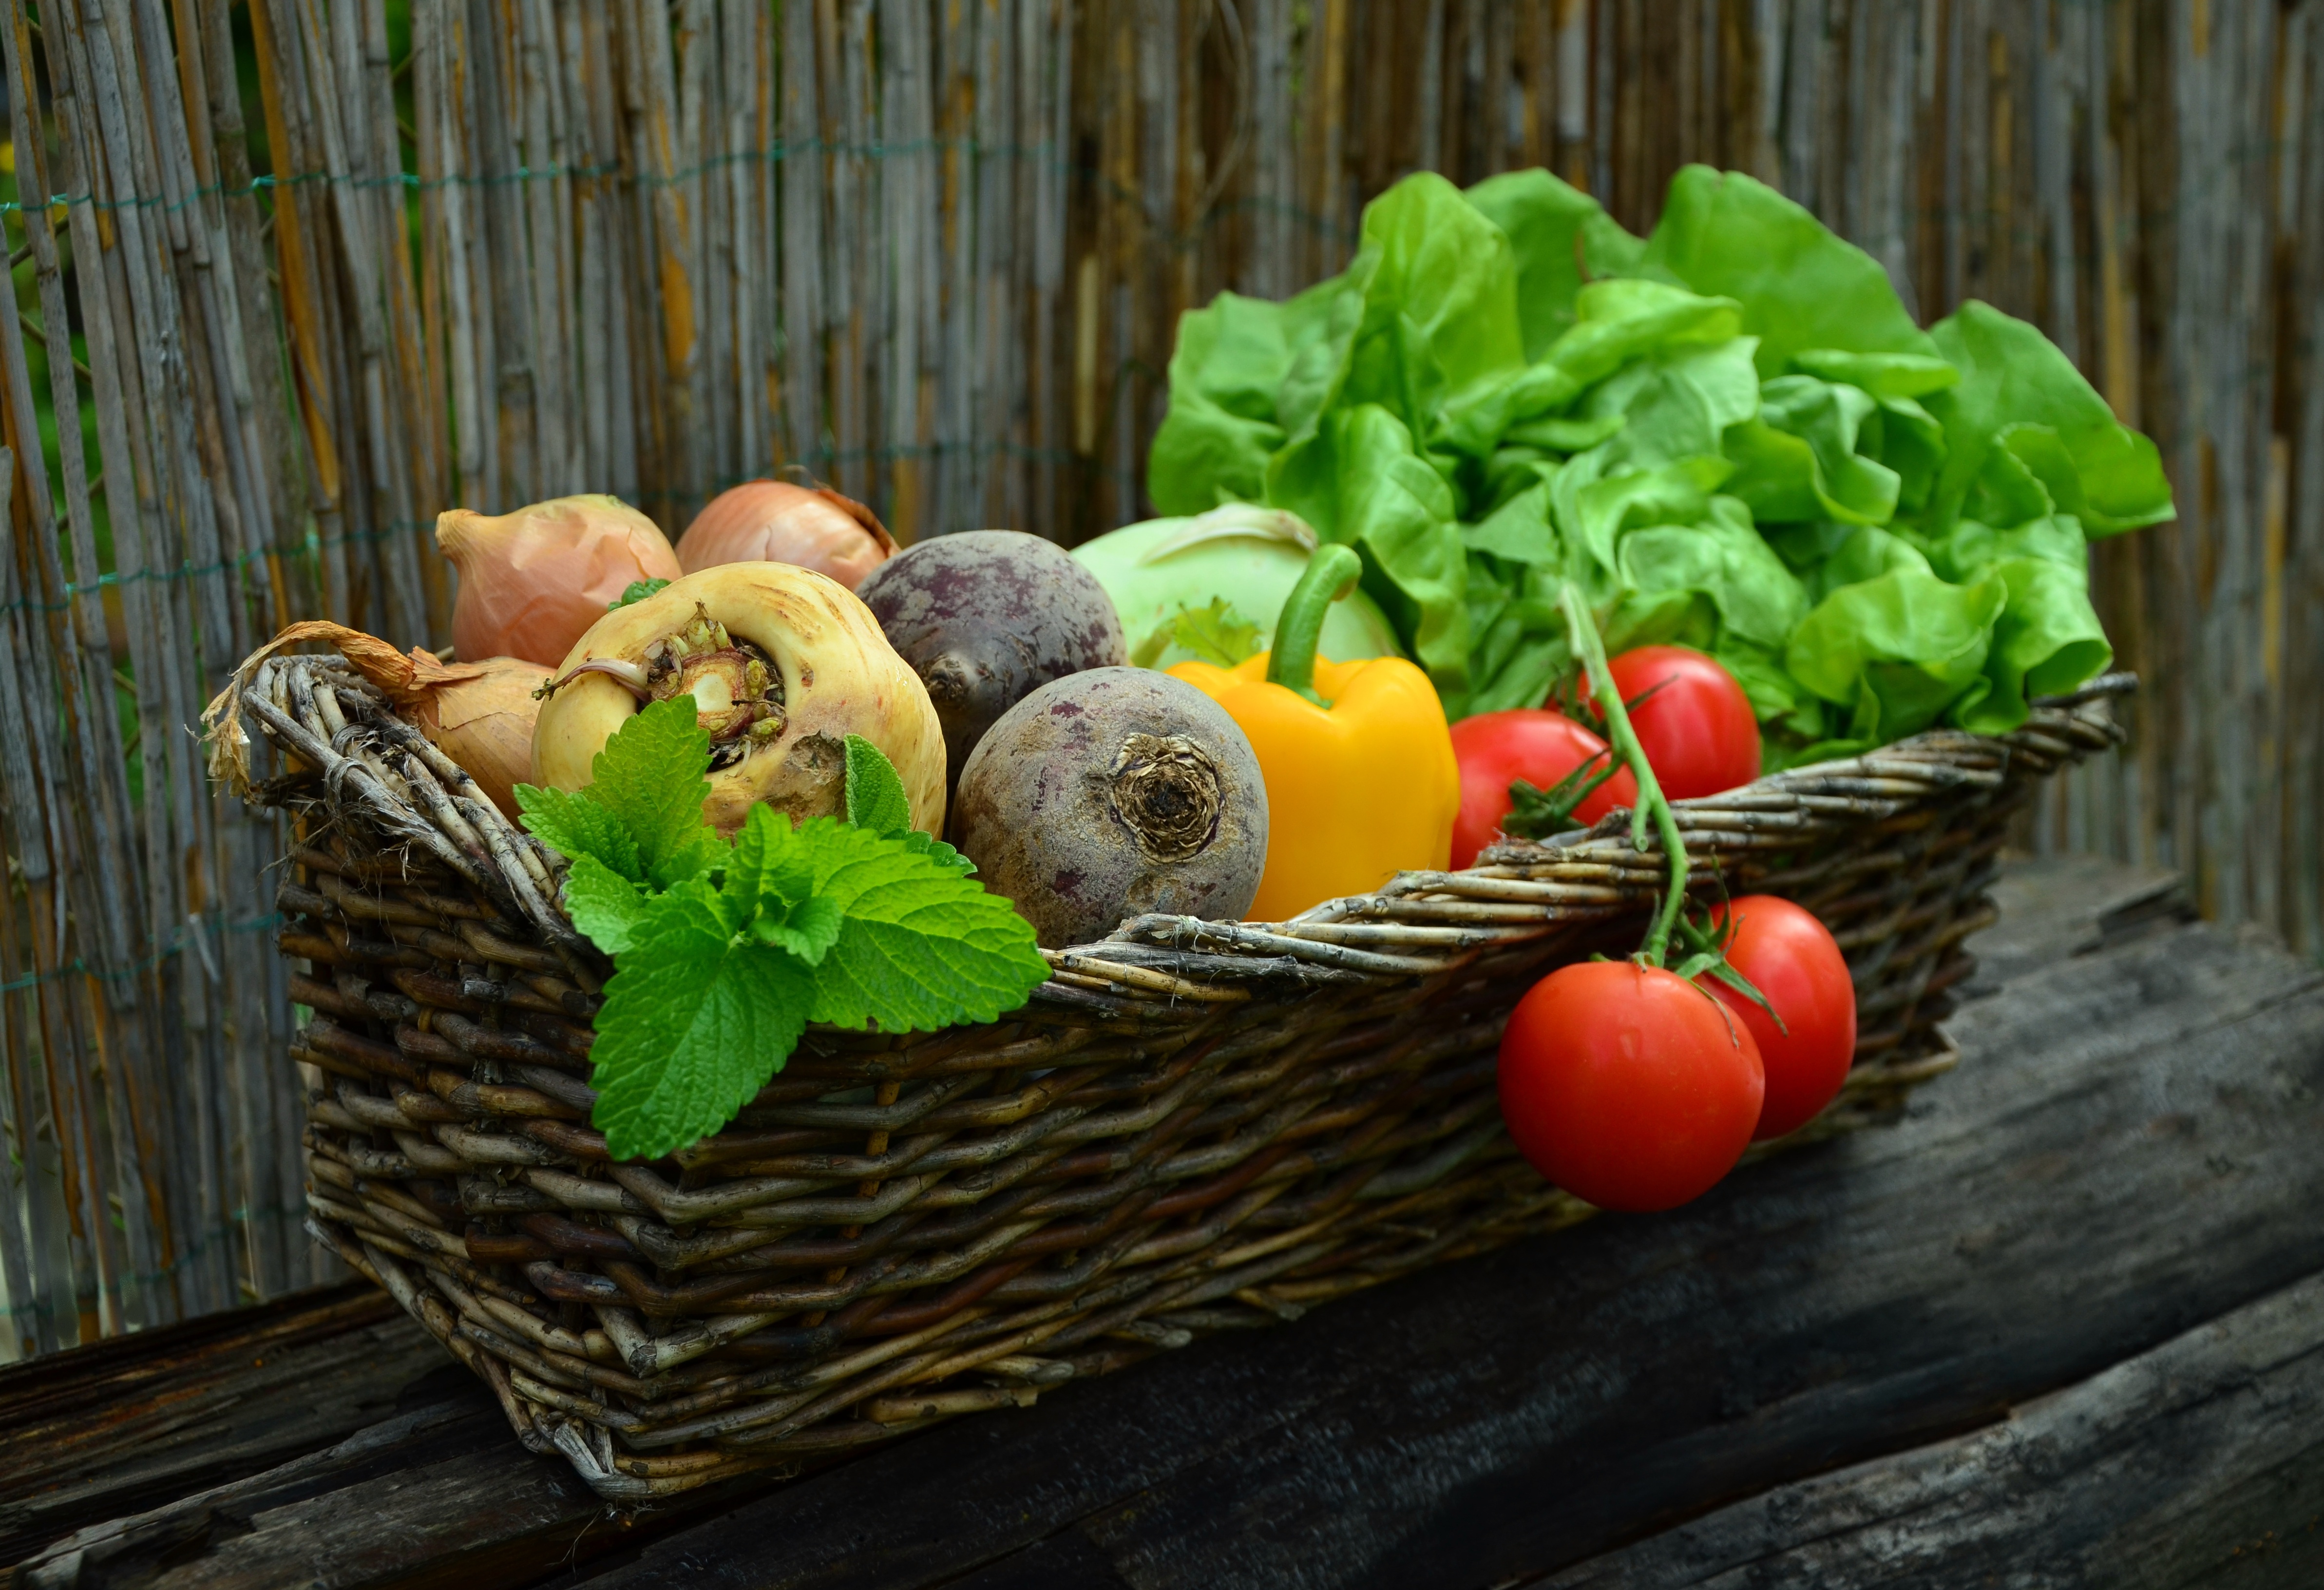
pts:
pixel 129 1549
pixel 2127 1149
pixel 2056 906
pixel 138 1419
pixel 2199 1463
pixel 445 1499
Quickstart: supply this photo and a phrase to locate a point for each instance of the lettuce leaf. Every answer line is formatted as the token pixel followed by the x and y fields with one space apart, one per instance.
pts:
pixel 1894 652
pixel 1731 434
pixel 1556 234
pixel 1800 284
pixel 1214 443
pixel 1360 481
pixel 2022 410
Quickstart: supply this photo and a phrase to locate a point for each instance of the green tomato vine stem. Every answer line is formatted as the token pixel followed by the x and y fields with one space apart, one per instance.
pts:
pixel 1590 651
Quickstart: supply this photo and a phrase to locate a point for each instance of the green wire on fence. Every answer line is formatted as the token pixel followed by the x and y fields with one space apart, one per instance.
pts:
pixel 1043 153
pixel 79 966
pixel 230 1232
pixel 314 545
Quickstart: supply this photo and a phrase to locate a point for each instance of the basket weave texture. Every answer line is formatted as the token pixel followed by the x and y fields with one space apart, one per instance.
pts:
pixel 1193 1126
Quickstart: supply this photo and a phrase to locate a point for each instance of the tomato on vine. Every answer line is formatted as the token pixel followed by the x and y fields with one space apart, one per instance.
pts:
pixel 1627 1086
pixel 1515 771
pixel 1792 960
pixel 1693 720
pixel 1623 1081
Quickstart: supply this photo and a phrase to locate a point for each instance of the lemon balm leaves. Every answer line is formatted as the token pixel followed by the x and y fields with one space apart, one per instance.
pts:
pixel 920 947
pixel 574 825
pixel 807 929
pixel 695 1019
pixel 875 792
pixel 603 904
pixel 722 953
pixel 651 776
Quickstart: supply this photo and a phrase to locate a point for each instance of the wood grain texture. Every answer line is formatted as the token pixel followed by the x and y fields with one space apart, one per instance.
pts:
pixel 2199 1463
pixel 112 1429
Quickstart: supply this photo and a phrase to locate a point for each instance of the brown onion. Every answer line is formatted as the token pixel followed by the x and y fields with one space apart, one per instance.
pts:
pixel 774 521
pixel 485 724
pixel 480 714
pixel 532 581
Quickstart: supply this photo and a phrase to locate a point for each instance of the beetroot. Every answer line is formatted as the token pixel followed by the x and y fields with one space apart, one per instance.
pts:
pixel 986 616
pixel 1110 794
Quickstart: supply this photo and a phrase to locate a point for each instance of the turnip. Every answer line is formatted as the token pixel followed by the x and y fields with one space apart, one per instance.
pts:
pixel 1110 794
pixel 985 616
pixel 782 662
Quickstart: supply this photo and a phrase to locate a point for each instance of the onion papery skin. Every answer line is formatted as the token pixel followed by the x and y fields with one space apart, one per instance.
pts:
pixel 532 581
pixel 838 674
pixel 486 725
pixel 775 521
pixel 480 714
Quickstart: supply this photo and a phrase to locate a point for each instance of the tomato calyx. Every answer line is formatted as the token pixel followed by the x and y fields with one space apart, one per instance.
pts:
pixel 1537 814
pixel 1572 696
pixel 1706 939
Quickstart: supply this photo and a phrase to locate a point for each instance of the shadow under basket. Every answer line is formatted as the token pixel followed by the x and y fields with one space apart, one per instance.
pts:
pixel 1193 1126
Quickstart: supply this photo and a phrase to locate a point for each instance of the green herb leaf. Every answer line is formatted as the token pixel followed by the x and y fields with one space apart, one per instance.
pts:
pixel 651 776
pixel 1216 634
pixel 575 825
pixel 937 852
pixel 723 953
pixel 635 590
pixel 768 864
pixel 875 791
pixel 604 903
pixel 876 801
pixel 921 947
pixel 695 1019
pixel 808 929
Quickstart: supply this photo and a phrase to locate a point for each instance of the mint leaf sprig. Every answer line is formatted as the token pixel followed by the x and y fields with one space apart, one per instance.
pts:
pixel 723 953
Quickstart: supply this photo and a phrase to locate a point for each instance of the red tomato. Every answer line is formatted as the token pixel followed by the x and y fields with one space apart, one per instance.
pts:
pixel 1792 959
pixel 1698 730
pixel 1532 743
pixel 1627 1088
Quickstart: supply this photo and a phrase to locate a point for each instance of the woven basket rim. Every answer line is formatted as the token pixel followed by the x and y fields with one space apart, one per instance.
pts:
pixel 1417 923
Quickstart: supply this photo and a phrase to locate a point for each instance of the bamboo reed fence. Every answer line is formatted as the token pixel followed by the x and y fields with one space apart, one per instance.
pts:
pixel 314 270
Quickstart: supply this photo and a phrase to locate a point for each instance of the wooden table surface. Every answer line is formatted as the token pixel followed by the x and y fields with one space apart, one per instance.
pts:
pixel 2063 1326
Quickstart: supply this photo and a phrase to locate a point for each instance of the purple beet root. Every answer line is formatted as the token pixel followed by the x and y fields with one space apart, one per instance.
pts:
pixel 1113 793
pixel 986 616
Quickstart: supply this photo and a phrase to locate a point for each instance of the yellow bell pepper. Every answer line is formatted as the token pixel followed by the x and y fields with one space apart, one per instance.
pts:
pixel 1358 760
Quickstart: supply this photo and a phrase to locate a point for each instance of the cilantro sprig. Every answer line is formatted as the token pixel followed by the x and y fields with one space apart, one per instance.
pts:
pixel 723 953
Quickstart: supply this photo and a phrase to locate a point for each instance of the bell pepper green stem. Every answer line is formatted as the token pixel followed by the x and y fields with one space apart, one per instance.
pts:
pixel 1653 805
pixel 1331 574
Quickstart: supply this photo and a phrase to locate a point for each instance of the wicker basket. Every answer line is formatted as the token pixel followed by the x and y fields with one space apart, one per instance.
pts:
pixel 1193 1126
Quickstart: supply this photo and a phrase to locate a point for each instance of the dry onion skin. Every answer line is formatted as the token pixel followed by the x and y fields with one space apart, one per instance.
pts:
pixel 532 581
pixel 775 521
pixel 485 723
pixel 480 714
pixel 783 665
